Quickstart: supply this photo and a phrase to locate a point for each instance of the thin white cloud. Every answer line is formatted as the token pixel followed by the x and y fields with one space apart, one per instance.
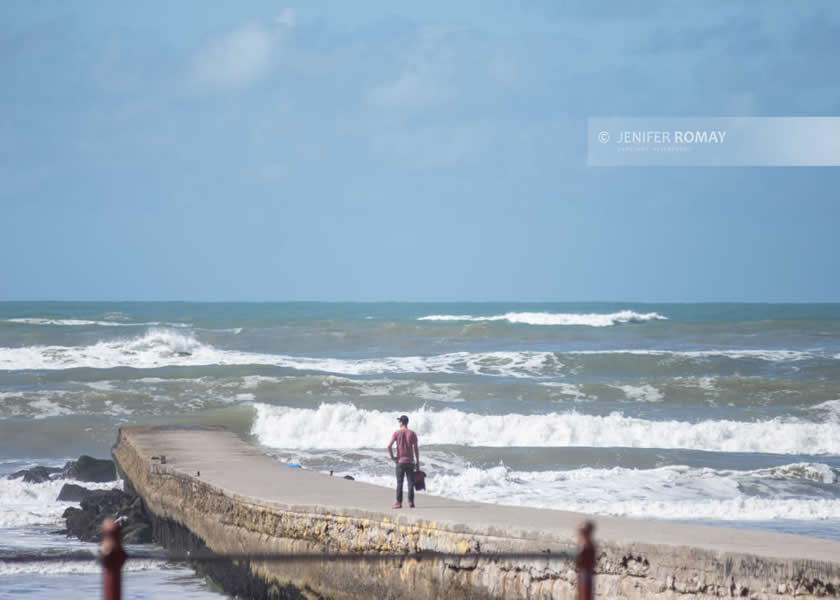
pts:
pixel 412 89
pixel 238 59
pixel 432 147
pixel 286 18
pixel 428 78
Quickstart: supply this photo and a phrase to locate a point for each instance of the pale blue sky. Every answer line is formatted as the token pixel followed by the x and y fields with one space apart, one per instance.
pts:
pixel 372 151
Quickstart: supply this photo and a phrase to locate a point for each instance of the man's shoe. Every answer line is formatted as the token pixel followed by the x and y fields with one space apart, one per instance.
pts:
pixel 411 505
pixel 397 505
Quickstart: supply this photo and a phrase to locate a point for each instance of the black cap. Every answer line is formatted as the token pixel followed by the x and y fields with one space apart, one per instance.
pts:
pixel 403 419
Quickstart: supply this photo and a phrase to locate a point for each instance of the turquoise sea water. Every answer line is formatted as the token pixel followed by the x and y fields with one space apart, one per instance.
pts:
pixel 715 413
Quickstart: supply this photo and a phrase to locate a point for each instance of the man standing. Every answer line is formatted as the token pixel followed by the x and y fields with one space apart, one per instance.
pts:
pixel 407 459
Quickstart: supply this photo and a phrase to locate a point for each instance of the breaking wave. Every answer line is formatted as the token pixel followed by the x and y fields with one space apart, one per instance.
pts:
pixel 676 492
pixel 23 504
pixel 86 322
pixel 830 410
pixel 345 426
pixel 544 318
pixel 162 347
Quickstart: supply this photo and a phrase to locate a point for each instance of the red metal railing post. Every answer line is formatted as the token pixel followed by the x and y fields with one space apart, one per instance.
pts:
pixel 113 558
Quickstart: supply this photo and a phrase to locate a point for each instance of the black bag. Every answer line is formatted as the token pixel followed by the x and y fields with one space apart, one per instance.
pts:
pixel 419 480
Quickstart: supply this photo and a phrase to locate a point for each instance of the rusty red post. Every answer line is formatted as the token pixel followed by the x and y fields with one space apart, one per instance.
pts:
pixel 113 558
pixel 585 562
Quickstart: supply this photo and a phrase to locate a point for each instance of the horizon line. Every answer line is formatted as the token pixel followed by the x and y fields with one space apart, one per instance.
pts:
pixel 625 301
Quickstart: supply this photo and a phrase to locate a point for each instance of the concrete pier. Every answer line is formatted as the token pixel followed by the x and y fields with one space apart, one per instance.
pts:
pixel 216 491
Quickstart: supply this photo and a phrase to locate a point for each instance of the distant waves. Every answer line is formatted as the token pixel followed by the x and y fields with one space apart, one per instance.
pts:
pixel 544 318
pixel 89 323
pixel 163 347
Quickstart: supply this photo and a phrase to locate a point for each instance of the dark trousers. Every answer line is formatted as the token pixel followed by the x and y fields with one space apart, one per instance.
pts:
pixel 405 470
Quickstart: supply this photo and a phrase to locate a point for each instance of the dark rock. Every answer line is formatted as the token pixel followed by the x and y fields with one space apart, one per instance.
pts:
pixel 350 477
pixel 86 468
pixel 107 502
pixel 91 469
pixel 35 474
pixel 79 525
pixel 73 493
pixel 85 522
pixel 137 533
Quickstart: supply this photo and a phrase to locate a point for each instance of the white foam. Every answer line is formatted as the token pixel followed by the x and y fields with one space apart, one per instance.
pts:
pixel 48 403
pixel 164 347
pixel 157 347
pixel 544 318
pixel 674 492
pixel 231 330
pixel 829 408
pixel 751 353
pixel 116 316
pixel 48 408
pixel 66 322
pixel 23 504
pixel 114 409
pixel 337 387
pixel 641 393
pixel 436 392
pixel 87 322
pixel 160 347
pixel 74 567
pixel 102 386
pixel 504 364
pixel 252 382
pixel 37 405
pixel 809 471
pixel 568 389
pixel 707 384
pixel 346 426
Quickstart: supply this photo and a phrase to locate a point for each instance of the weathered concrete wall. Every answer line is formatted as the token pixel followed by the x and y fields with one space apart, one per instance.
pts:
pixel 243 502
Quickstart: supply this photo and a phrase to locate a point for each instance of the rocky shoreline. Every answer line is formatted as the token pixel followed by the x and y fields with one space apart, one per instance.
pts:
pixel 85 522
pixel 86 468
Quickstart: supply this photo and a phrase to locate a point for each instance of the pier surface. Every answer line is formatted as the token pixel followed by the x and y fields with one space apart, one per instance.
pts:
pixel 218 492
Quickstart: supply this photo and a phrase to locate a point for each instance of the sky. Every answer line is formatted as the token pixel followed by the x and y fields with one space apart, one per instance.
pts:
pixel 274 150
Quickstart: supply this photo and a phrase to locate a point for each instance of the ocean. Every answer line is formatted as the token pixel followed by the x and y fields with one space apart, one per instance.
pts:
pixel 724 414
